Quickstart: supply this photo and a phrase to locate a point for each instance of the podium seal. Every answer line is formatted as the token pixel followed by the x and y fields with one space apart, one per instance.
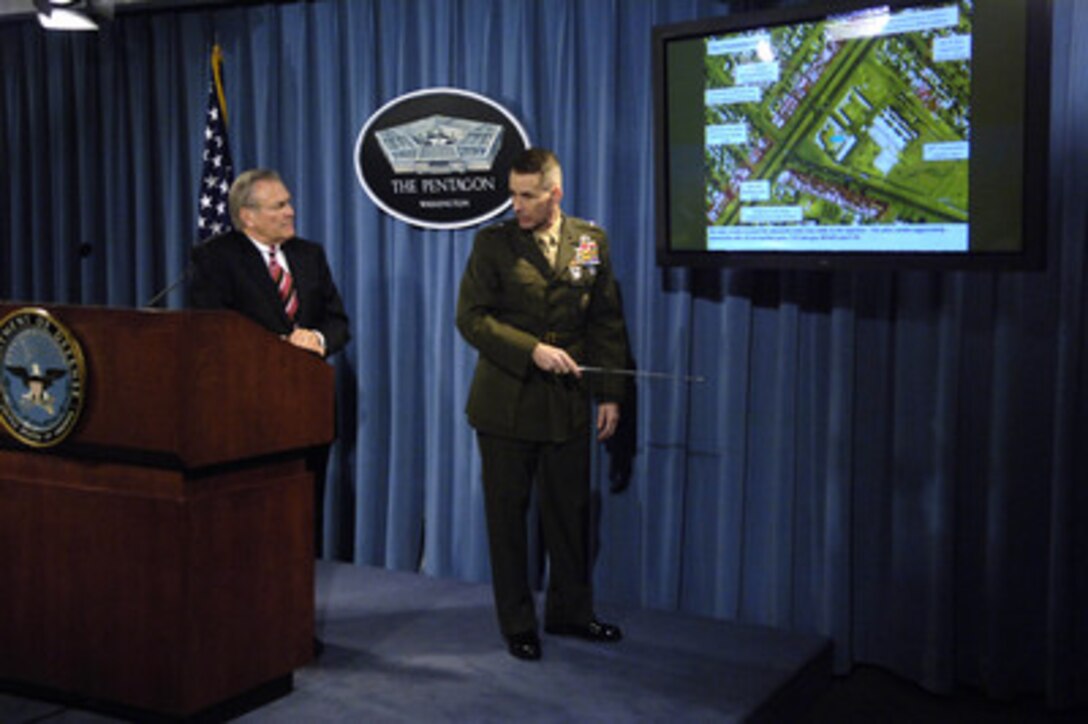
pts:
pixel 42 378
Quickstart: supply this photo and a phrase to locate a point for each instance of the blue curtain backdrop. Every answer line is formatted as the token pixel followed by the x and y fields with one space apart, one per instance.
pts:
pixel 893 459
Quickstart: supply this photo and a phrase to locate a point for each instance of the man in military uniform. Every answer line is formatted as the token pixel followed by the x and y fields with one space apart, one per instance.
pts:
pixel 539 302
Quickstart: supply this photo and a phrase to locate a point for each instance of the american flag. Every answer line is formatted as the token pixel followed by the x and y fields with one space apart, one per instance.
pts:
pixel 217 174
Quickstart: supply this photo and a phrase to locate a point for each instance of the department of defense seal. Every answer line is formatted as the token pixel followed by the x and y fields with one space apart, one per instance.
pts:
pixel 42 377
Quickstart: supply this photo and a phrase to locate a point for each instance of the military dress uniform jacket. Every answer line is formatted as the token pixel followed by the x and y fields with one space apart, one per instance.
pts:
pixel 511 299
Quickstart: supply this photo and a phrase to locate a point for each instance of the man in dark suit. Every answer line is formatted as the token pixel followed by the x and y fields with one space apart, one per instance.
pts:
pixel 538 301
pixel 264 271
pixel 278 280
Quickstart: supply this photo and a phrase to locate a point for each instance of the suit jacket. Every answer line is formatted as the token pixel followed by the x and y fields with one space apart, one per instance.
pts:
pixel 510 299
pixel 229 273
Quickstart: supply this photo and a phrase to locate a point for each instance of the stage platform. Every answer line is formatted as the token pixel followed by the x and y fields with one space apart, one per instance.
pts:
pixel 400 647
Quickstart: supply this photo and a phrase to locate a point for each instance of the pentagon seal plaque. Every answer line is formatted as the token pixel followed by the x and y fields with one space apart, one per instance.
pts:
pixel 438 158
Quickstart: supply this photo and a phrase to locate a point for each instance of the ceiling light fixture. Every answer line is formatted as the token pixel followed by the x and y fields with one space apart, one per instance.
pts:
pixel 66 20
pixel 64 15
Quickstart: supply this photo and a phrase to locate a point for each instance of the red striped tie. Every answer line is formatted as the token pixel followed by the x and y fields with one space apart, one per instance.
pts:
pixel 284 285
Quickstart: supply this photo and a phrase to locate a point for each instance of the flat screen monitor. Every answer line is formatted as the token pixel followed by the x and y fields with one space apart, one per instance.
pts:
pixel 854 133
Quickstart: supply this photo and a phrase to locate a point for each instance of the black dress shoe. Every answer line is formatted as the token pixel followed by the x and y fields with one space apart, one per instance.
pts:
pixel 593 631
pixel 525 646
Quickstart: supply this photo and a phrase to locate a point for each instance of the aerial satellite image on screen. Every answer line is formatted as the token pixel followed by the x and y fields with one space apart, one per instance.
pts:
pixel 856 120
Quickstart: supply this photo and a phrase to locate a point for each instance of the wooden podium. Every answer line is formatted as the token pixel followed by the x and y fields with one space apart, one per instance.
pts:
pixel 161 557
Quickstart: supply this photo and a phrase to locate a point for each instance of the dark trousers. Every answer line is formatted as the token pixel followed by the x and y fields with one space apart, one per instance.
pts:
pixel 561 471
pixel 318 462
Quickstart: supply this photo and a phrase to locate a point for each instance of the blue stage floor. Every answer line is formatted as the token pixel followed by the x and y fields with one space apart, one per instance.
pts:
pixel 401 647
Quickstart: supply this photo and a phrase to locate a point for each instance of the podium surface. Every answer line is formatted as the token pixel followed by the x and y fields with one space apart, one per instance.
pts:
pixel 161 556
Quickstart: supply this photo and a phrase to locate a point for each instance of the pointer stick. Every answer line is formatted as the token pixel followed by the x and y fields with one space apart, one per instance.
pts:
pixel 642 373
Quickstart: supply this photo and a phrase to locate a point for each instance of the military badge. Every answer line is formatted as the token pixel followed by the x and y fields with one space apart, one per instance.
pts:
pixel 586 259
pixel 43 378
pixel 587 253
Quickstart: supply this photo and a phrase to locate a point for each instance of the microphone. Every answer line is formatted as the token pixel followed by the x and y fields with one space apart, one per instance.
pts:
pixel 185 274
pixel 171 287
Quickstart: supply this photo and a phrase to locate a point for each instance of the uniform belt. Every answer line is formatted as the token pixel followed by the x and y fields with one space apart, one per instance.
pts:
pixel 558 339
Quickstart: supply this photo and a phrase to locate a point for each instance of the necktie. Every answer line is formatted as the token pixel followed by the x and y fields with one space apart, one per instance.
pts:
pixel 284 285
pixel 550 247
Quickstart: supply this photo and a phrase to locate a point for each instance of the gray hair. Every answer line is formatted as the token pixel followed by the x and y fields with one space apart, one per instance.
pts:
pixel 241 191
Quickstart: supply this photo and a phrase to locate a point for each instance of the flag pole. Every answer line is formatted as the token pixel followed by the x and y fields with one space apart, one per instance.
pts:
pixel 217 78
